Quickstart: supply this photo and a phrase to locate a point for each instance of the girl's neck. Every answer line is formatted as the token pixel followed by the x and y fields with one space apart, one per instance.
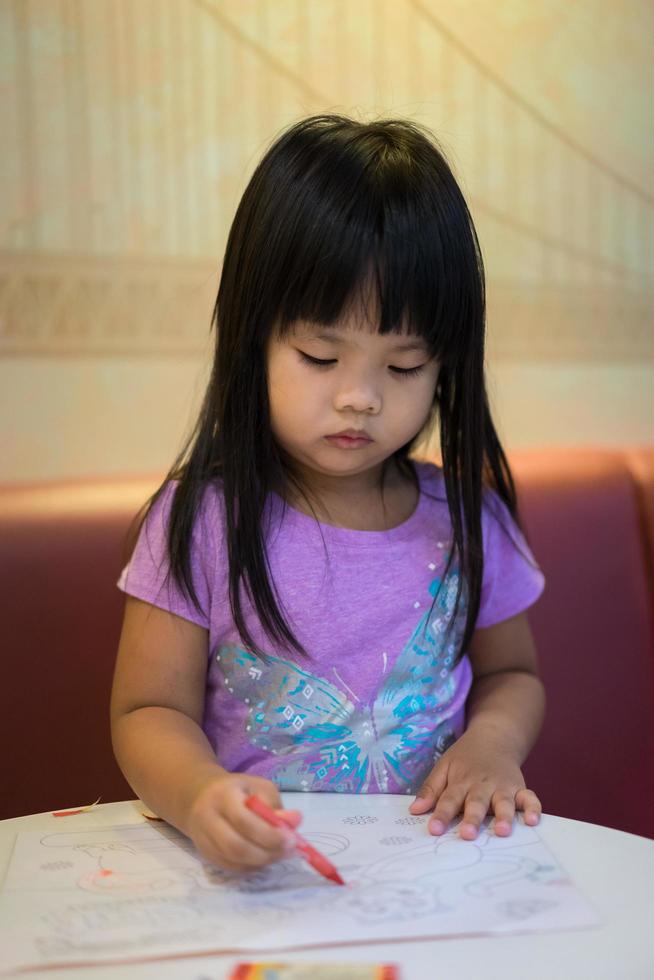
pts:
pixel 357 503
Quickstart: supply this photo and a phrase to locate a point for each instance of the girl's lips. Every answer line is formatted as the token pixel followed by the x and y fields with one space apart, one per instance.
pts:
pixel 347 442
pixel 351 434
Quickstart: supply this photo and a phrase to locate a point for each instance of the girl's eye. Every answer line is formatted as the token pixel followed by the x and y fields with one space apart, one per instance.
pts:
pixel 324 363
pixel 407 372
pixel 315 361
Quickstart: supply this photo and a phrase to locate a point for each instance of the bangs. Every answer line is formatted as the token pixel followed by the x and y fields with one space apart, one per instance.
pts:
pixel 375 226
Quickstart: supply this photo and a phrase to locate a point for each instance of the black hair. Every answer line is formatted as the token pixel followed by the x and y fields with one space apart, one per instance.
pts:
pixel 334 202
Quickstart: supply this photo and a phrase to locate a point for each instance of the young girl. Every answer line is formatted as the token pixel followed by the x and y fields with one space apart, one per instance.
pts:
pixel 309 607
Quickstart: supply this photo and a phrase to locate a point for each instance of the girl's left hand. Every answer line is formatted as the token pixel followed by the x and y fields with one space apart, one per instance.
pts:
pixel 476 775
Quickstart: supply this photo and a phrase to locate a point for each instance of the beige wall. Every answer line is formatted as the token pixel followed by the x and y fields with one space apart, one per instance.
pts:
pixel 130 132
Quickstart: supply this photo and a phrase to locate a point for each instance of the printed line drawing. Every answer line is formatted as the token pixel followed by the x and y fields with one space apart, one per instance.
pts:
pixel 103 892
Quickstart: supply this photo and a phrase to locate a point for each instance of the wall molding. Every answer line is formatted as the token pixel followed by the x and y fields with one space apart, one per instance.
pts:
pixel 117 306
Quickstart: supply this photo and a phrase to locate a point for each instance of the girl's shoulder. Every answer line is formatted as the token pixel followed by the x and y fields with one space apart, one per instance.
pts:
pixel 430 477
pixel 494 512
pixel 199 534
pixel 209 510
pixel 210 492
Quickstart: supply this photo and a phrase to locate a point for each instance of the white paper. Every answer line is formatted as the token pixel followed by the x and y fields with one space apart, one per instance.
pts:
pixel 140 890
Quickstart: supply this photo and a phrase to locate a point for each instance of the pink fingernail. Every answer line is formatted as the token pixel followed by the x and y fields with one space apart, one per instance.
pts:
pixel 469 828
pixel 436 827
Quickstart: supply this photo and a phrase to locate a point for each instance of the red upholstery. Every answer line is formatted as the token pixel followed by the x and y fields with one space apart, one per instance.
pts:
pixel 589 516
pixel 60 558
pixel 594 627
pixel 641 466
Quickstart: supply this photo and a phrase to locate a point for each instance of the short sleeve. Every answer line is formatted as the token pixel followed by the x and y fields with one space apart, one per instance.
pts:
pixel 512 580
pixel 147 577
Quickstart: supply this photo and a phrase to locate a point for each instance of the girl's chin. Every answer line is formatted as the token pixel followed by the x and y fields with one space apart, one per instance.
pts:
pixel 336 464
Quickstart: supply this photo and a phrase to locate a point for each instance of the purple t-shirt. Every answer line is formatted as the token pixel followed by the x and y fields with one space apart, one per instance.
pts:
pixel 378 700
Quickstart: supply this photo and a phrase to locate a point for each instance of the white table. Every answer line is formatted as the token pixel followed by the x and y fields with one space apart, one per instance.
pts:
pixel 613 869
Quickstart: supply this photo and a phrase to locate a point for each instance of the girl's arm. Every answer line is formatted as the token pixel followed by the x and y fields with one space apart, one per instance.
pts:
pixel 505 709
pixel 507 696
pixel 157 705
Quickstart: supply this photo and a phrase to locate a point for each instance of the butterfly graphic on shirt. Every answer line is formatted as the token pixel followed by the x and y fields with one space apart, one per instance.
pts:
pixel 325 741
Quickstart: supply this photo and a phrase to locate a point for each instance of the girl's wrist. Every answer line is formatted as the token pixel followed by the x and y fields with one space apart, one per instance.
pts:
pixel 201 776
pixel 490 732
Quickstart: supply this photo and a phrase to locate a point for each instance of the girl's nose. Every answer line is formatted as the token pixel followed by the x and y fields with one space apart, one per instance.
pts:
pixel 358 398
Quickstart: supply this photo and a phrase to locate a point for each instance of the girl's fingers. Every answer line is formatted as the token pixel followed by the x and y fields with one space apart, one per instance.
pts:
pixel 253 829
pixel 263 788
pixel 476 808
pixel 528 802
pixel 230 849
pixel 292 817
pixel 504 810
pixel 446 809
pixel 277 841
pixel 430 791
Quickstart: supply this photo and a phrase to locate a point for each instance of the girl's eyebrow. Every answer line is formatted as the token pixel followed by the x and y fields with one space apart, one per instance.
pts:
pixel 334 334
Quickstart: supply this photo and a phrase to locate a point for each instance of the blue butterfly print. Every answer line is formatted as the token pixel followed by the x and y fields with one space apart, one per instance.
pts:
pixel 326 742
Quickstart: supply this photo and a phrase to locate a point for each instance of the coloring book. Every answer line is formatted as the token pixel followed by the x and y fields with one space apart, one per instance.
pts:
pixel 97 893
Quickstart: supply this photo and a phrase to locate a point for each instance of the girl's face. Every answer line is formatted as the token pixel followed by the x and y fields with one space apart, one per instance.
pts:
pixel 322 380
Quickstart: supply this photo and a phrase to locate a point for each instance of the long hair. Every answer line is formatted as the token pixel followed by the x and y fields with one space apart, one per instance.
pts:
pixel 332 199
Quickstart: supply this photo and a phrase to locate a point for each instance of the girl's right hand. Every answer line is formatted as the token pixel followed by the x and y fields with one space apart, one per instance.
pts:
pixel 230 835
